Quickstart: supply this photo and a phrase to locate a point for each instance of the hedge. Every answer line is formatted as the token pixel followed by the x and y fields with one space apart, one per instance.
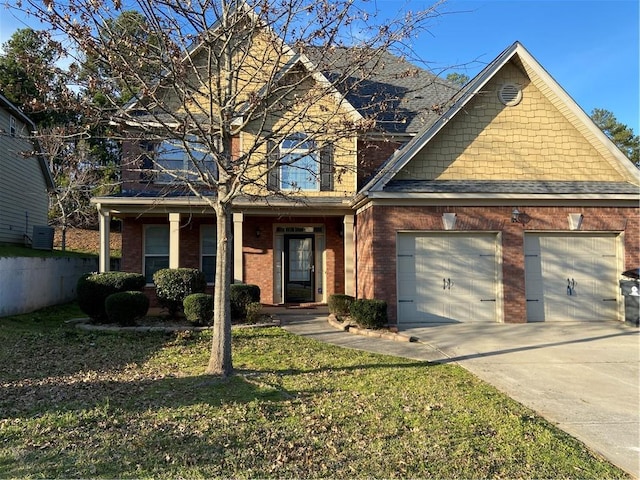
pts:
pixel 241 296
pixel 369 313
pixel 339 304
pixel 173 285
pixel 94 288
pixel 198 308
pixel 125 307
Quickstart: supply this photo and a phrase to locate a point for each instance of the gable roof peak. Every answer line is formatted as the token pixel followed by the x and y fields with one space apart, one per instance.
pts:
pixel 397 162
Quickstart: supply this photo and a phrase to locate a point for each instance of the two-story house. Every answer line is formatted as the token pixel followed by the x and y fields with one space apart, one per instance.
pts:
pixel 24 177
pixel 501 202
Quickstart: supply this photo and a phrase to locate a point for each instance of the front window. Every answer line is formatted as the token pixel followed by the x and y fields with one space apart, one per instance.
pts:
pixel 156 250
pixel 299 165
pixel 208 246
pixel 179 160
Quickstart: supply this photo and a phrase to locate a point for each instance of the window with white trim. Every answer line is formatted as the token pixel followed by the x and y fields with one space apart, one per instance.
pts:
pixel 177 160
pixel 12 125
pixel 208 249
pixel 298 163
pixel 156 250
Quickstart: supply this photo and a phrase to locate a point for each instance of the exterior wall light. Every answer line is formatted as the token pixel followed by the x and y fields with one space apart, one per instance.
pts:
pixel 519 217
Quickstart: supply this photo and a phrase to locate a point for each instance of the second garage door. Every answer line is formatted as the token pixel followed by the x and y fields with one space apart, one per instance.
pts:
pixel 571 277
pixel 446 278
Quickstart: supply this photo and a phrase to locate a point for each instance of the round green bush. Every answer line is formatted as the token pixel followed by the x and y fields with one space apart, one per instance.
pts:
pixel 339 304
pixel 93 289
pixel 241 295
pixel 124 308
pixel 198 308
pixel 369 313
pixel 254 312
pixel 173 285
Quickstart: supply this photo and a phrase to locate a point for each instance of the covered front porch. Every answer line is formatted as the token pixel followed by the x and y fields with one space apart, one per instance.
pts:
pixel 293 255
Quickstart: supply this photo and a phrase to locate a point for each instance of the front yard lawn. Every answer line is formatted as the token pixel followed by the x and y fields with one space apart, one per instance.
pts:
pixel 92 404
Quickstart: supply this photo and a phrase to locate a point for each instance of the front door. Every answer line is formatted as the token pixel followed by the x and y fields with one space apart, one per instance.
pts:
pixel 299 268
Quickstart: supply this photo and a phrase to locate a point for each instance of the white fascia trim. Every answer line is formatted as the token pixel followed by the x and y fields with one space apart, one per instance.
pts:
pixel 503 196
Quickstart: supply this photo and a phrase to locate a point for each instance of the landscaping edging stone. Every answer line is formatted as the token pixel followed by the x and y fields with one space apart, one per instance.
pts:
pixel 84 324
pixel 385 334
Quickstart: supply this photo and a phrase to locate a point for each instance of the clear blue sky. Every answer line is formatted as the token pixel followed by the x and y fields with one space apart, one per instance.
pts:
pixel 591 47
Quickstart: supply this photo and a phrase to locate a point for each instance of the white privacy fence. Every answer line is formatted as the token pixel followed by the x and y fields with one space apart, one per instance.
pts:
pixel 30 283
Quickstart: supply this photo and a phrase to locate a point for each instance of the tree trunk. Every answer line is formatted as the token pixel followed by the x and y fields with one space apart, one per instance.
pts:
pixel 220 359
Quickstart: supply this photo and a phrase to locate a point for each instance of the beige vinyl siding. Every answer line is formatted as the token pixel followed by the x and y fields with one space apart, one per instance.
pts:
pixel 23 194
pixel 535 140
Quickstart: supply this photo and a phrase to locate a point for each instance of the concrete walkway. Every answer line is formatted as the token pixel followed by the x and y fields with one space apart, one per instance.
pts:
pixel 583 377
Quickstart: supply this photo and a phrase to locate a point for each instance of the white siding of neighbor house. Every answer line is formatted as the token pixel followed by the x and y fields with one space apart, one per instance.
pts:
pixel 23 194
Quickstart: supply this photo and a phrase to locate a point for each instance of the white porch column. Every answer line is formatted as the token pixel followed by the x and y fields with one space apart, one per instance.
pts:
pixel 349 256
pixel 104 217
pixel 174 240
pixel 238 219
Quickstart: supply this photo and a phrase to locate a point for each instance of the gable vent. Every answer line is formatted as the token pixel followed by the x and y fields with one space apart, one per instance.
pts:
pixel 510 94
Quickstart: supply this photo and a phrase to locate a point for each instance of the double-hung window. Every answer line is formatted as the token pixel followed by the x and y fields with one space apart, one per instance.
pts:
pixel 156 250
pixel 176 160
pixel 299 165
pixel 208 246
pixel 12 126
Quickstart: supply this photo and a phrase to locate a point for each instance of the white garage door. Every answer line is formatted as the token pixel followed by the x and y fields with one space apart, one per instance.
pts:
pixel 446 278
pixel 570 277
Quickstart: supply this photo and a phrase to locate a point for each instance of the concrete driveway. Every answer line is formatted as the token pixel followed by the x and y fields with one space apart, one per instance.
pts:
pixel 583 377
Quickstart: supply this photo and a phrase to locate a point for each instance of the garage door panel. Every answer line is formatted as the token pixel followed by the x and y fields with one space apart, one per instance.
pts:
pixel 453 278
pixel 571 277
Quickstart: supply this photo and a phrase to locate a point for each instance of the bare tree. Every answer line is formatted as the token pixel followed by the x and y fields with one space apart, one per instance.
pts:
pixel 78 175
pixel 263 68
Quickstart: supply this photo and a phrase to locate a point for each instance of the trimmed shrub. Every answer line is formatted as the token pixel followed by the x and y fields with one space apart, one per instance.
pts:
pixel 369 313
pixel 94 288
pixel 241 296
pixel 198 308
pixel 339 304
pixel 254 312
pixel 125 307
pixel 173 285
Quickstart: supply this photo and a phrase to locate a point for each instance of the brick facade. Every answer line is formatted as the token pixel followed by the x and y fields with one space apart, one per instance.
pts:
pixel 258 261
pixel 376 250
pixel 371 155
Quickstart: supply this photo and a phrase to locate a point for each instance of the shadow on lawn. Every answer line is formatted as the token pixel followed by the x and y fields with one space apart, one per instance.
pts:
pixel 68 394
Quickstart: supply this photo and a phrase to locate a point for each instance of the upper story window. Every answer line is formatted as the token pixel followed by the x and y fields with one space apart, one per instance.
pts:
pixel 12 125
pixel 176 161
pixel 301 165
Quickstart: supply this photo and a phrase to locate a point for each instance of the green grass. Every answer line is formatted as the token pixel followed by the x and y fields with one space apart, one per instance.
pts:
pixel 99 405
pixel 18 251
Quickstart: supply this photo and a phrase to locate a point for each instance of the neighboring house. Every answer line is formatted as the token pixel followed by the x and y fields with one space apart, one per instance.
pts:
pixel 24 177
pixel 504 204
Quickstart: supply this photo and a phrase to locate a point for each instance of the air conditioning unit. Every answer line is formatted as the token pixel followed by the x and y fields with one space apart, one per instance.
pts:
pixel 42 238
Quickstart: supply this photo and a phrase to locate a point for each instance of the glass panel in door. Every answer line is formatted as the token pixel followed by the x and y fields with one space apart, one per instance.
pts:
pixel 300 269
